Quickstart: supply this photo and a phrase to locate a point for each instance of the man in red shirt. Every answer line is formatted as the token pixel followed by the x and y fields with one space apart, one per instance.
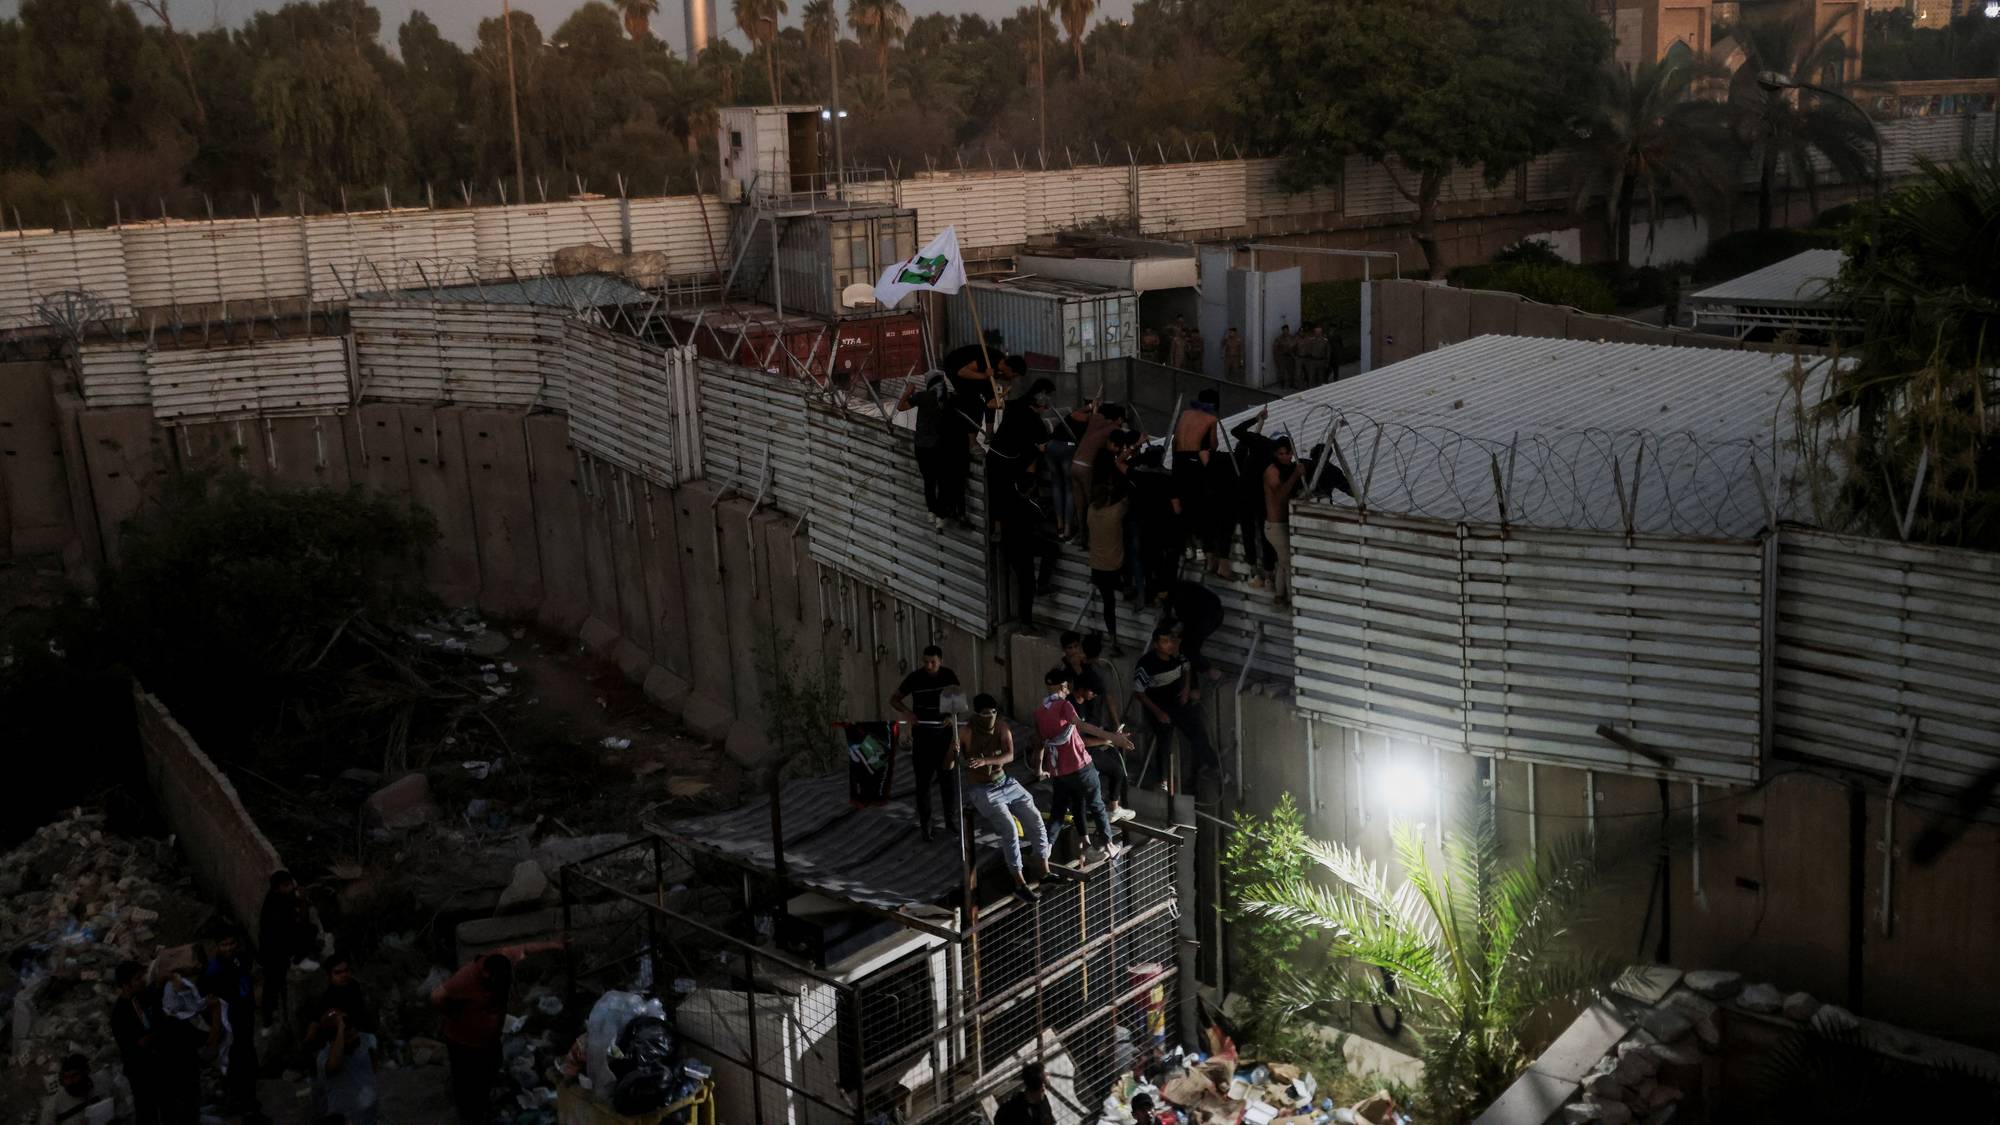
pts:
pixel 1064 755
pixel 473 1012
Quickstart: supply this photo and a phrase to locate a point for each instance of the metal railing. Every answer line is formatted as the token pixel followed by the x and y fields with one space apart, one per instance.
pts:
pixel 1085 981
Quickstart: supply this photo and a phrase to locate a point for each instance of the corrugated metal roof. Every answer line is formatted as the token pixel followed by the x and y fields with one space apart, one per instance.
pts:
pixel 1800 279
pixel 1051 286
pixel 1585 435
pixel 872 856
pixel 585 291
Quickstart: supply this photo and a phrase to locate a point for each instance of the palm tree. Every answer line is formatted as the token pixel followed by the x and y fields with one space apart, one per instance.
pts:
pixel 822 28
pixel 759 21
pixel 1922 278
pixel 879 23
pixel 1789 127
pixel 1075 16
pixel 638 16
pixel 1475 946
pixel 1652 136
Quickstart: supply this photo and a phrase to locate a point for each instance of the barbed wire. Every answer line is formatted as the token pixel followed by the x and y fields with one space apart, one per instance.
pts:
pixel 1630 481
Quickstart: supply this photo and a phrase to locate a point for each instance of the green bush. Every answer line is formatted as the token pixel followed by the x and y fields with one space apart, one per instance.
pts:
pixel 1561 284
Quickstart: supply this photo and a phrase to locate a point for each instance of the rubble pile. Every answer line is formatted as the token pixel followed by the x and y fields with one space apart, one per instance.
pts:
pixel 1193 1089
pixel 75 901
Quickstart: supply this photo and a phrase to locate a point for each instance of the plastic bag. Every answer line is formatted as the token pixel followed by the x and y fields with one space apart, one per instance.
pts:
pixel 608 1017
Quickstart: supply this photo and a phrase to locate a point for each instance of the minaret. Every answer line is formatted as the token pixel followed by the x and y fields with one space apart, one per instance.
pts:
pixel 700 27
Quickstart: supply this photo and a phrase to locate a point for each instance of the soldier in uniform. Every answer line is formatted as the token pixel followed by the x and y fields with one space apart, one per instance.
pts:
pixel 1195 356
pixel 1149 346
pixel 1232 354
pixel 1284 354
pixel 1177 342
pixel 1322 352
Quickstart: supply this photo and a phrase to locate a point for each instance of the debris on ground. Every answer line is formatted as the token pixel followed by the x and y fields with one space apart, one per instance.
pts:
pixel 75 901
pixel 1223 1090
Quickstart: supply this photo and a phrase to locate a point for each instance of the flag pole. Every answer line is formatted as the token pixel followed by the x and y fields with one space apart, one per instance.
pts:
pixel 992 373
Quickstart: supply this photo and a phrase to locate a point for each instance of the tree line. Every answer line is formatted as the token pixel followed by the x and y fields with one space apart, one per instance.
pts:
pixel 318 105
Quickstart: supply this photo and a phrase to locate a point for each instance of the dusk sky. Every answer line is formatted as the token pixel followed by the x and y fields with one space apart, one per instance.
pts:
pixel 458 17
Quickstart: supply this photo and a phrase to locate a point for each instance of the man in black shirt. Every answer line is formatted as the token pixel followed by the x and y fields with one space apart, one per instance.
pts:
pixel 940 446
pixel 1164 682
pixel 920 699
pixel 285 932
pixel 1161 530
pixel 136 1028
pixel 1194 612
pixel 1029 552
pixel 1030 1104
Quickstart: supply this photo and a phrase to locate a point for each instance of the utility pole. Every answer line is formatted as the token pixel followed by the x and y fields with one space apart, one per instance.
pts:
pixel 1041 81
pixel 513 101
pixel 833 61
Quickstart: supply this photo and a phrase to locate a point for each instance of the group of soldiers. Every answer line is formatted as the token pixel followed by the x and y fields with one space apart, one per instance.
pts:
pixel 1305 358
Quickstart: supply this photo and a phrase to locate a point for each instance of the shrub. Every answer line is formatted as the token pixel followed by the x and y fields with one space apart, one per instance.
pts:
pixel 1560 284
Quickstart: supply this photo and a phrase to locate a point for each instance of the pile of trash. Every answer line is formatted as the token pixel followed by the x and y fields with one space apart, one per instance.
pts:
pixel 75 901
pixel 629 1058
pixel 1186 1087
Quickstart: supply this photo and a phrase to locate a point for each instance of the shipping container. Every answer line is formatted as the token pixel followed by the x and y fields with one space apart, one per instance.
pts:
pixel 820 255
pixel 1057 325
pixel 875 346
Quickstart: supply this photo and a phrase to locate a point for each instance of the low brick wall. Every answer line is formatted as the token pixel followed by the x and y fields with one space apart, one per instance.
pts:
pixel 228 853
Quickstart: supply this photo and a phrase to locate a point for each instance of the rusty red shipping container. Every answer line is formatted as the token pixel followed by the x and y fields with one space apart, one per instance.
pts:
pixel 874 347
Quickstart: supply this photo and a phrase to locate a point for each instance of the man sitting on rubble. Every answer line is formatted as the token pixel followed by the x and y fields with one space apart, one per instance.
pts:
pixel 77 1091
pixel 986 744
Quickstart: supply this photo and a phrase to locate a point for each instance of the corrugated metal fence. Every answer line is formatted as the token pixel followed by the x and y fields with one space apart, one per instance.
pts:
pixel 1883 645
pixel 269 378
pixel 1525 644
pixel 1694 659
pixel 852 476
pixel 182 264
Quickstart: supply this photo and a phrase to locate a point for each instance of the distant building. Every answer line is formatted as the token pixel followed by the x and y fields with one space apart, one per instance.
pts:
pixel 1650 30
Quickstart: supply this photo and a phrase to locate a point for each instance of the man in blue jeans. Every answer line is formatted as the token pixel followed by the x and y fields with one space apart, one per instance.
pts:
pixel 1078 791
pixel 987 746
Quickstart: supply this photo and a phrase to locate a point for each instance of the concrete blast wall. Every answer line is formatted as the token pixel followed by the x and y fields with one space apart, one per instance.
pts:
pixel 231 858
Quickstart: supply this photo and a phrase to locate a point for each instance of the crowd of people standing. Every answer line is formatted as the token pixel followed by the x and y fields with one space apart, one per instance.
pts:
pixel 1091 479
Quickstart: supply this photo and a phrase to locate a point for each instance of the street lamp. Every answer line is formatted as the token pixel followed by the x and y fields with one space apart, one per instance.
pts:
pixel 1770 81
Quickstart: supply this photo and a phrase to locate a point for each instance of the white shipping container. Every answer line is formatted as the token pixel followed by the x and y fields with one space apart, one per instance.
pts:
pixel 1057 325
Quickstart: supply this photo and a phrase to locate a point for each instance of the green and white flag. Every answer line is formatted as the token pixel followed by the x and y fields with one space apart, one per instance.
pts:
pixel 938 267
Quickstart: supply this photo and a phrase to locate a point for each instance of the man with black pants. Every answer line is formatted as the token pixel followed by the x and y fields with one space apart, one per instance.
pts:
pixel 286 932
pixel 1030 554
pixel 1091 697
pixel 1164 682
pixel 1194 612
pixel 939 445
pixel 920 699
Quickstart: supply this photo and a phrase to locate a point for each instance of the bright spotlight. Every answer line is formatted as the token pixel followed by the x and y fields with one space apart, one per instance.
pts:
pixel 826 115
pixel 1405 790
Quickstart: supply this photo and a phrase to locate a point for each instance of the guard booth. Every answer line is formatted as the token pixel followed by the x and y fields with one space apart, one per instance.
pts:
pixel 771 149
